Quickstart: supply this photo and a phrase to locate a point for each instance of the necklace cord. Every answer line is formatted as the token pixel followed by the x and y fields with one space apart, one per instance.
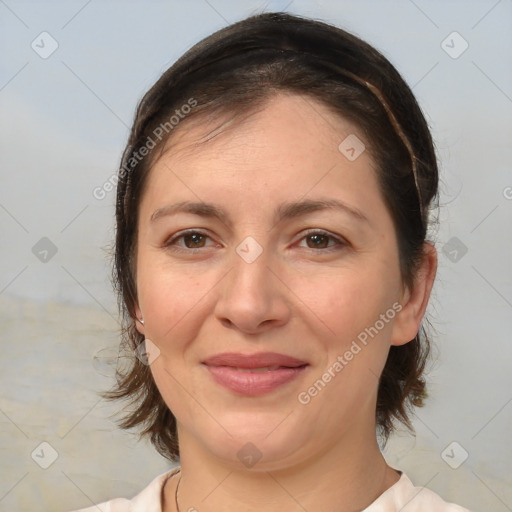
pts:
pixel 176 494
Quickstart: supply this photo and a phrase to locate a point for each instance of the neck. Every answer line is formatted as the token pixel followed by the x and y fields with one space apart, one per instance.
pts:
pixel 347 478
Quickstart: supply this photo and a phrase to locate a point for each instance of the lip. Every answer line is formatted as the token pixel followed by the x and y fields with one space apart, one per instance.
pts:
pixel 250 361
pixel 254 374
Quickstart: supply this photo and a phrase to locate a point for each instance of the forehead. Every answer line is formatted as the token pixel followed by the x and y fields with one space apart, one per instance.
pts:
pixel 285 122
pixel 292 145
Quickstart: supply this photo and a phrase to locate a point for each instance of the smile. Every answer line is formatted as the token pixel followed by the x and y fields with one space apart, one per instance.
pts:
pixel 254 375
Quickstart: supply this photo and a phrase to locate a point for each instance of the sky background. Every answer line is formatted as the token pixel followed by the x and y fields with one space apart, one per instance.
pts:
pixel 65 118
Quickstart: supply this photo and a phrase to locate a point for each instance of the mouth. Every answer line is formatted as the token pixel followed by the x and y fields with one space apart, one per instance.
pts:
pixel 256 374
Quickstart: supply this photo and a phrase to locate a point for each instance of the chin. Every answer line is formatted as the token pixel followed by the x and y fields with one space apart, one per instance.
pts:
pixel 260 442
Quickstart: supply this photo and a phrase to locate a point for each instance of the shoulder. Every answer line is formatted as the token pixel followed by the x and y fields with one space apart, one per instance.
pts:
pixel 405 497
pixel 148 500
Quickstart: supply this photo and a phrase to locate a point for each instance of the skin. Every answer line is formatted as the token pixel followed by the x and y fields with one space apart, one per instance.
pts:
pixel 297 298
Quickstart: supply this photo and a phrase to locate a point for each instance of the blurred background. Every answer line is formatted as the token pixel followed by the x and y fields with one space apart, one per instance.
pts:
pixel 70 77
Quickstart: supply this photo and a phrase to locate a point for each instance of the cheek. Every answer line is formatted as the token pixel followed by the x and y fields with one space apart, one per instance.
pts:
pixel 169 299
pixel 347 300
pixel 350 303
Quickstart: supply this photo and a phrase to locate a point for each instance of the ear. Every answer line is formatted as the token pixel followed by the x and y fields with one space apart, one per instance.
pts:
pixel 414 301
pixel 138 324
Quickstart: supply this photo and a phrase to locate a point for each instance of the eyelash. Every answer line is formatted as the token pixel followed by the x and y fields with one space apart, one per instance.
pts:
pixel 171 242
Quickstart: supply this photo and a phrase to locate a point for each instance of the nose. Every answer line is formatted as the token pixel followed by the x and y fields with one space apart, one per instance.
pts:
pixel 252 299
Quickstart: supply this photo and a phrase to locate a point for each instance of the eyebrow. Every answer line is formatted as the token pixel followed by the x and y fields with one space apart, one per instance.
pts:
pixel 286 211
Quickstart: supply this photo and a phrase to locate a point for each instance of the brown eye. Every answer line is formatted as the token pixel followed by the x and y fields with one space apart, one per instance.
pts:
pixel 318 241
pixel 194 240
pixel 189 240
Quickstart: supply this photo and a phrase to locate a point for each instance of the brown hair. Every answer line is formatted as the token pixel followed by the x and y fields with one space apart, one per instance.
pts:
pixel 233 72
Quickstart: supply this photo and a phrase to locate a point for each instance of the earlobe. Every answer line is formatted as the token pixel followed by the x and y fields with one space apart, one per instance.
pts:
pixel 408 321
pixel 139 320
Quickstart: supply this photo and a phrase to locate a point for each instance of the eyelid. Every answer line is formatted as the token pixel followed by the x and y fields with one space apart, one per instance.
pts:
pixel 170 241
pixel 341 241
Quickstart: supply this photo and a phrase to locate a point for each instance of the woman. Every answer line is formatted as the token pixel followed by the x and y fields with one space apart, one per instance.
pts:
pixel 273 270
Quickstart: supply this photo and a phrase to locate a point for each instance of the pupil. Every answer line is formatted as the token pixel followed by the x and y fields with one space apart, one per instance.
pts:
pixel 194 240
pixel 318 240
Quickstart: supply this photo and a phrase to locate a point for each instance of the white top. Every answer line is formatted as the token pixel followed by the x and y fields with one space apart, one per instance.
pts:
pixel 400 497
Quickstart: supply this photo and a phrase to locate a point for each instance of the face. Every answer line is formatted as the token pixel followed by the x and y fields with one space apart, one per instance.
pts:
pixel 268 278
